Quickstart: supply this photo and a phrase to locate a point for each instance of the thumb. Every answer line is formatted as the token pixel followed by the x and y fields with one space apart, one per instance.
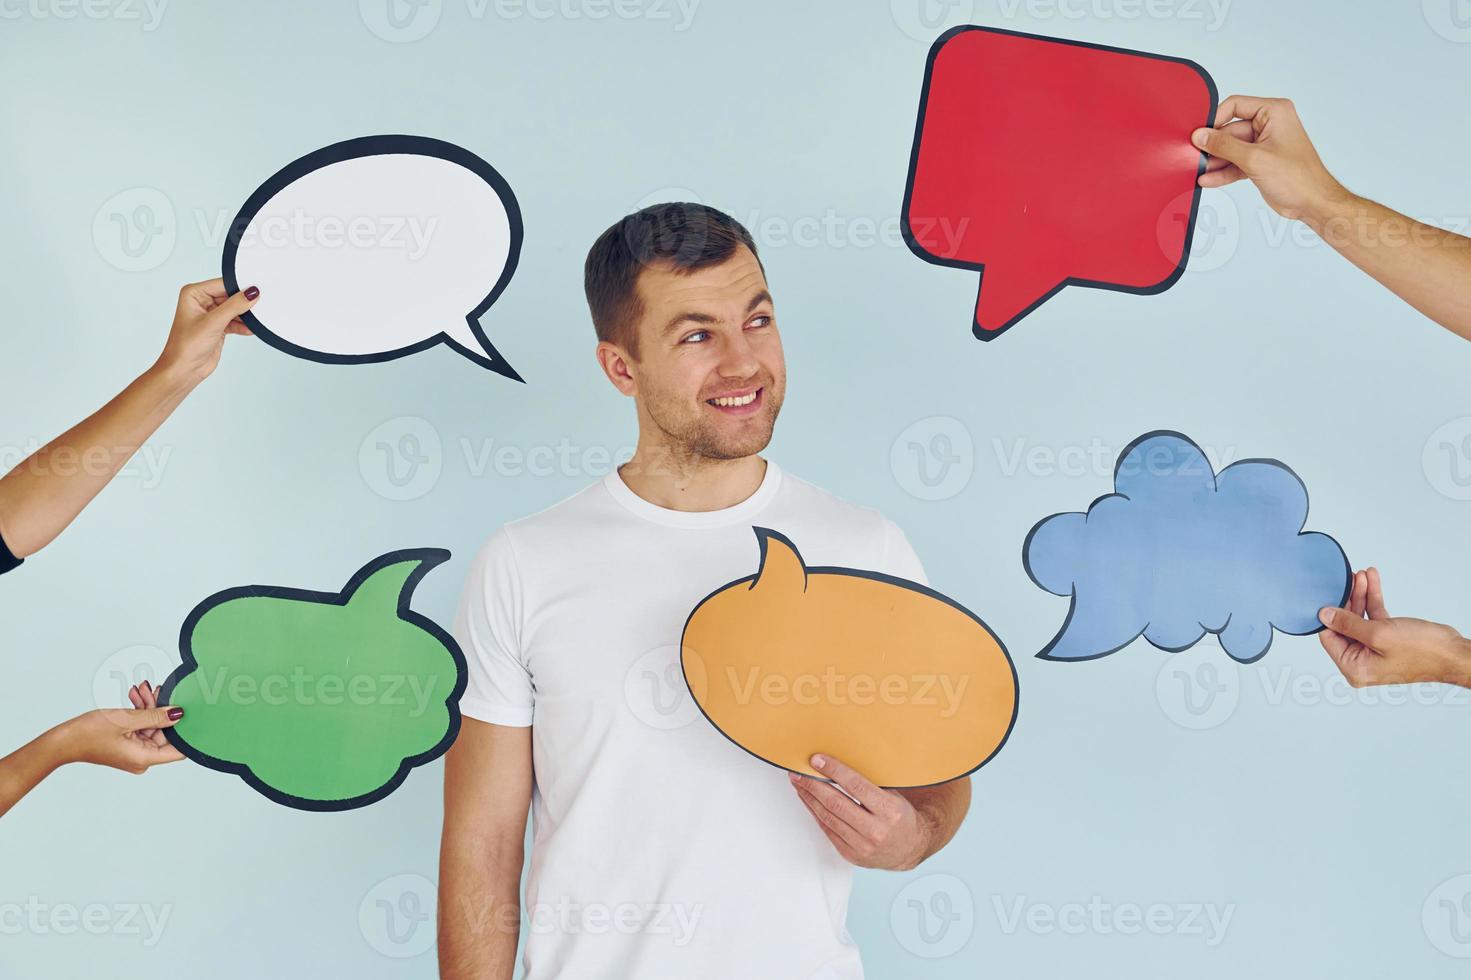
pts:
pixel 233 307
pixel 1366 631
pixel 1222 144
pixel 161 717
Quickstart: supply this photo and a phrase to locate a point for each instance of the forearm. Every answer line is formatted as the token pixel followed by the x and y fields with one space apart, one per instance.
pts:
pixel 22 770
pixel 479 912
pixel 1427 267
pixel 1457 662
pixel 43 494
pixel 941 809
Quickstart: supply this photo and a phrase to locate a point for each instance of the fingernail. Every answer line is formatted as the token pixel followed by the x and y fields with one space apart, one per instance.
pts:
pixel 251 292
pixel 175 714
pixel 1198 138
pixel 1326 615
pixel 818 762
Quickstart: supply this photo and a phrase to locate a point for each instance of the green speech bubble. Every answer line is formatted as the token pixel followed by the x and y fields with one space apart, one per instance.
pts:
pixel 319 700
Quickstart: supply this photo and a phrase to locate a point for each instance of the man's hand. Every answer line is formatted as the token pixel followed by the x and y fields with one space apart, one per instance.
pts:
pixel 885 832
pixel 1385 649
pixel 1264 141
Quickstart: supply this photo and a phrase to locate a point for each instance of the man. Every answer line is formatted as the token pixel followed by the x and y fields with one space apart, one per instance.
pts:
pixel 660 849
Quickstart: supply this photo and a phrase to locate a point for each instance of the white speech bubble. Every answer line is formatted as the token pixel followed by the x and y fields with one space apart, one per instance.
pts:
pixel 377 247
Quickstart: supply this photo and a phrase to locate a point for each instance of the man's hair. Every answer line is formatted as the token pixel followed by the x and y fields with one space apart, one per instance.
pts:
pixel 681 236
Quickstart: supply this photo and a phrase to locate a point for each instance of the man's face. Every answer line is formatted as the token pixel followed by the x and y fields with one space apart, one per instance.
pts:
pixel 710 373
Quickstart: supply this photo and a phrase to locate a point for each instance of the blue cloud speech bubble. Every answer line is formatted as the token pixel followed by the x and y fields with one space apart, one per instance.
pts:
pixel 1178 551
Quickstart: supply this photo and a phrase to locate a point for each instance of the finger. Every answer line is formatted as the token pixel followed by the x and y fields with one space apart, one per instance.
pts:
pixel 1228 174
pixel 1334 644
pixel 840 827
pixel 1240 107
pixel 233 307
pixel 839 845
pixel 837 841
pixel 148 694
pixel 1222 144
pixel 1339 649
pixel 145 718
pixel 205 294
pixel 212 287
pixel 1241 129
pixel 144 755
pixel 238 328
pixel 853 781
pixel 164 753
pixel 831 799
pixel 1358 593
pixel 1376 596
pixel 1366 631
pixel 135 697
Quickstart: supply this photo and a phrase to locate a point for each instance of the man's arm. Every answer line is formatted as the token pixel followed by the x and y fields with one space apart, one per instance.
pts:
pixel 487 792
pixel 891 829
pixel 1263 140
pixel 42 495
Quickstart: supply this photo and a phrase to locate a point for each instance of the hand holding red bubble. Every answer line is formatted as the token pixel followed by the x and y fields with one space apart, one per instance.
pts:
pixel 1048 163
pixel 1264 140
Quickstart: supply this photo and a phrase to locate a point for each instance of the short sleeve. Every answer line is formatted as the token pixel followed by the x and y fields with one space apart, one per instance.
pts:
pixel 899 558
pixel 488 630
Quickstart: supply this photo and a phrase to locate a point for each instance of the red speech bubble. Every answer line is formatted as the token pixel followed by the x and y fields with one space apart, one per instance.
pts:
pixel 1047 163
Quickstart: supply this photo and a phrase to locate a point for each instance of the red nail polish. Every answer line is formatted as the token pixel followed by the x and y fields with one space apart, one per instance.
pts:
pixel 175 714
pixel 251 292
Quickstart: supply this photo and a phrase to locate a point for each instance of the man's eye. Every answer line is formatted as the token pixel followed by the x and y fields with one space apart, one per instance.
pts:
pixel 764 320
pixel 696 337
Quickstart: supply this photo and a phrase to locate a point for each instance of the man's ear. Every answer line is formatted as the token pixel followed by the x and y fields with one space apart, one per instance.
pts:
pixel 618 366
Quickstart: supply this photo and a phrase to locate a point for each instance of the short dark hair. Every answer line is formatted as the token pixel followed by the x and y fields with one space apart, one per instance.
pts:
pixel 686 237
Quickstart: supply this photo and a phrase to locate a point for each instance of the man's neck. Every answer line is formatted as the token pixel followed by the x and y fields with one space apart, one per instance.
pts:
pixel 691 483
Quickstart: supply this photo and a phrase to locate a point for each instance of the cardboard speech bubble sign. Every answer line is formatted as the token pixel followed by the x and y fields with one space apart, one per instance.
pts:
pixel 1179 550
pixel 1045 163
pixel 375 248
pixel 902 683
pixel 319 700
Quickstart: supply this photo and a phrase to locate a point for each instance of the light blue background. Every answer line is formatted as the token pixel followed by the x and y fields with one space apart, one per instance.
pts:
pixel 1324 819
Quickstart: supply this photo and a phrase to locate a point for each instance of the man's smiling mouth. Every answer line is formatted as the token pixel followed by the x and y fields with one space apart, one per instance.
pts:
pixel 737 403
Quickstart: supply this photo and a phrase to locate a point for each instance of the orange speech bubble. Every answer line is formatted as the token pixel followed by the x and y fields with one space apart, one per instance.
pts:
pixel 905 685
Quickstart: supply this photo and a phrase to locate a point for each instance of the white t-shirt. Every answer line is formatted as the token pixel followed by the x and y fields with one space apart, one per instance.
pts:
pixel 660 849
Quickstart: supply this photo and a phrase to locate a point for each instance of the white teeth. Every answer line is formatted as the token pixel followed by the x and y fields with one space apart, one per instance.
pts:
pixel 734 402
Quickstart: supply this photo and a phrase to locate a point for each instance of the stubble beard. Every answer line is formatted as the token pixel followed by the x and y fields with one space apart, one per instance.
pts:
pixel 694 438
